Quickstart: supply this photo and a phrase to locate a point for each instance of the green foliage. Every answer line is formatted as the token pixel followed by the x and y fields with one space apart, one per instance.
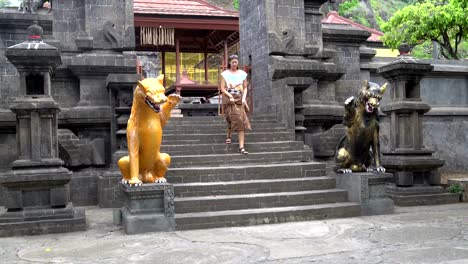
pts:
pixel 236 4
pixel 4 3
pixel 445 22
pixel 348 6
pixel 424 50
pixel 383 10
pixel 455 188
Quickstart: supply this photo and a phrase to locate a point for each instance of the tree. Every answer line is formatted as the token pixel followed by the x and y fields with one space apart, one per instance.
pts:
pixel 444 22
pixel 4 3
pixel 235 3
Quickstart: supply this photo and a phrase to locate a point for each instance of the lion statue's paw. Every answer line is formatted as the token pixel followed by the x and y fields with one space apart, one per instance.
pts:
pixel 124 181
pixel 160 180
pixel 349 100
pixel 344 171
pixel 136 182
pixel 174 98
pixel 381 169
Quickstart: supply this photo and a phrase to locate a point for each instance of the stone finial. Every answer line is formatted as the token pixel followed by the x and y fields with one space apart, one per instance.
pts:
pixel 404 49
pixel 35 32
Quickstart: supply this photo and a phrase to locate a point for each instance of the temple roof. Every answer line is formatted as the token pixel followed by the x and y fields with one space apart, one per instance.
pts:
pixel 181 7
pixel 334 18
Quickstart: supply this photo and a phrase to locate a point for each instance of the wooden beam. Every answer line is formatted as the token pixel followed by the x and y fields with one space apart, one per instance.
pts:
pixel 192 23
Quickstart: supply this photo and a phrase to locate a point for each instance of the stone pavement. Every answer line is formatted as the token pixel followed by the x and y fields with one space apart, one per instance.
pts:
pixel 429 234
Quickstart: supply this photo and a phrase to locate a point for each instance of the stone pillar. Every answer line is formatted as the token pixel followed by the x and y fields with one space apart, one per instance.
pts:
pixel 414 168
pixel 313 26
pixel 36 188
pixel 120 88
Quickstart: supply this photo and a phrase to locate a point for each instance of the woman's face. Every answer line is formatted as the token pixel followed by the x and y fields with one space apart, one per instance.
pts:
pixel 234 63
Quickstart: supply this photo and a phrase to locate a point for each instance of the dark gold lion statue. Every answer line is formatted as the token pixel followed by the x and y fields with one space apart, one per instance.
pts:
pixel 359 149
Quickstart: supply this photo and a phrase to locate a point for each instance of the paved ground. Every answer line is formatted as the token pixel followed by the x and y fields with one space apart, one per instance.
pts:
pixel 430 234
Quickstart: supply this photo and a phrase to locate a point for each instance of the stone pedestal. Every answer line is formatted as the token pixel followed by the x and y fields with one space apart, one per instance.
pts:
pixel 37 202
pixel 414 168
pixel 367 189
pixel 148 208
pixel 36 189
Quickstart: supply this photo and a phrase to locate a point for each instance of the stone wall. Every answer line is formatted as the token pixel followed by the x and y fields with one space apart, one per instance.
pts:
pixel 254 51
pixel 93 37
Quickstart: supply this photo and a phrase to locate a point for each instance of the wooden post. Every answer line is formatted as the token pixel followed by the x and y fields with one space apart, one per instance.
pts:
pixel 206 65
pixel 177 58
pixel 163 66
pixel 225 55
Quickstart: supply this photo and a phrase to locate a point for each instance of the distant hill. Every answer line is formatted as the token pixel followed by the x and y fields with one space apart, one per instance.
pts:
pixel 370 13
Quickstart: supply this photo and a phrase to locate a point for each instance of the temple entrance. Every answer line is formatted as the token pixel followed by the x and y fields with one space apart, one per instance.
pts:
pixel 191 47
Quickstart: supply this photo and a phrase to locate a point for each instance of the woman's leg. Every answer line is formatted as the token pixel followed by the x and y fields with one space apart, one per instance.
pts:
pixel 228 136
pixel 240 134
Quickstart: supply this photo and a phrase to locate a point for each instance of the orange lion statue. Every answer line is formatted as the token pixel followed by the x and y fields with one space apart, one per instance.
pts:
pixel 151 110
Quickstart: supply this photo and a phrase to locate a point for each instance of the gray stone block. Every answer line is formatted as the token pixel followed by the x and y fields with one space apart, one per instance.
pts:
pixel 148 208
pixel 59 196
pixel 143 223
pixel 109 193
pixel 367 189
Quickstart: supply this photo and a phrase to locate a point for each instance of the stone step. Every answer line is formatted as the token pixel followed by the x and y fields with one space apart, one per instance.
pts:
pixel 245 172
pixel 259 216
pixel 237 158
pixel 254 186
pixel 221 148
pixel 220 117
pixel 257 200
pixel 221 137
pixel 220 125
pixel 425 199
pixel 214 120
pixel 212 129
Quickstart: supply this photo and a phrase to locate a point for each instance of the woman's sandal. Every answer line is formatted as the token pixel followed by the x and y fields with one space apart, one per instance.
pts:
pixel 243 151
pixel 228 141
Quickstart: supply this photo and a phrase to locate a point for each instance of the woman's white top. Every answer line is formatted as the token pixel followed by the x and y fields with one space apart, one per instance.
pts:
pixel 234 79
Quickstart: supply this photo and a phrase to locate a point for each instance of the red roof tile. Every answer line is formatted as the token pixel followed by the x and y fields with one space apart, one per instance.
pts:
pixel 334 18
pixel 181 7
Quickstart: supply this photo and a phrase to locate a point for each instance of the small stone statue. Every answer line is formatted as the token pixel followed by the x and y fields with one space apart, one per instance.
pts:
pixel 354 152
pixel 35 32
pixel 33 5
pixel 27 5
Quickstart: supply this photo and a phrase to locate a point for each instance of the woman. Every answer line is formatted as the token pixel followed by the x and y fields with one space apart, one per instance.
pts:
pixel 234 90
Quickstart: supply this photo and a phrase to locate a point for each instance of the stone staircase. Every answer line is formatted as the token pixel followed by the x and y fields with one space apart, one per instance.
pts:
pixel 215 186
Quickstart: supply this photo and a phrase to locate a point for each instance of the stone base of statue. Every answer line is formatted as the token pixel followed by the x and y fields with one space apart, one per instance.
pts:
pixel 420 195
pixel 367 189
pixel 37 202
pixel 148 208
pixel 416 179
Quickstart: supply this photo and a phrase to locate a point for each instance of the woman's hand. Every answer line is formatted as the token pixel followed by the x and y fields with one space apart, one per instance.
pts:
pixel 231 99
pixel 244 101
